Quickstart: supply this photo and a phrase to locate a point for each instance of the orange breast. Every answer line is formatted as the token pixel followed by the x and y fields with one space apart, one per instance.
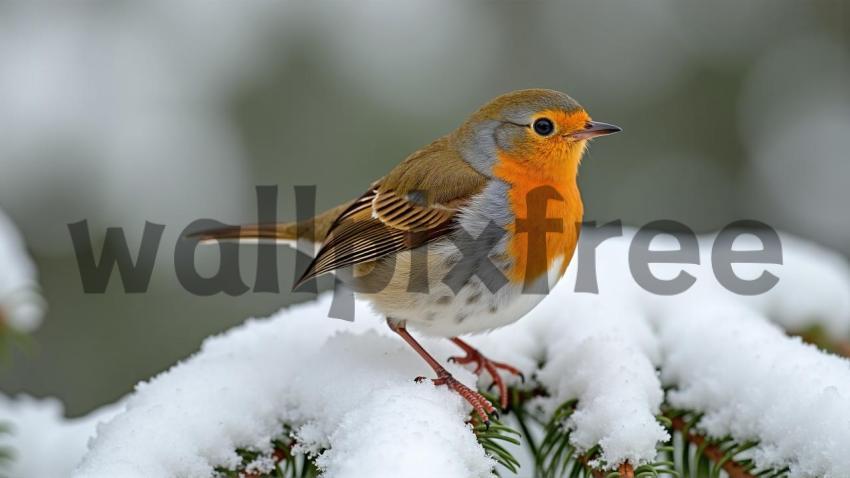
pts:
pixel 538 186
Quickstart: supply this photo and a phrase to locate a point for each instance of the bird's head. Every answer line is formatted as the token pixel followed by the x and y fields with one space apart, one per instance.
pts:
pixel 539 129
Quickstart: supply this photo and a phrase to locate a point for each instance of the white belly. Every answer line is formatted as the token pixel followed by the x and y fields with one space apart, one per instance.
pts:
pixel 441 312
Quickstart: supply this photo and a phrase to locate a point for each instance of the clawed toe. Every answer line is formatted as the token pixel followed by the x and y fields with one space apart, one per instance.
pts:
pixel 481 405
pixel 483 363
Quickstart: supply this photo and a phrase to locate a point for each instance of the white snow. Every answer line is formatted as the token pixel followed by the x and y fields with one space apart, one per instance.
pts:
pixel 297 368
pixel 44 444
pixel 346 388
pixel 603 355
pixel 754 383
pixel 598 352
pixel 813 287
pixel 405 430
pixel 20 303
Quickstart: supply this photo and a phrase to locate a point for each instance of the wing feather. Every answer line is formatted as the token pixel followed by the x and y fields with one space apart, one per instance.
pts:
pixel 388 219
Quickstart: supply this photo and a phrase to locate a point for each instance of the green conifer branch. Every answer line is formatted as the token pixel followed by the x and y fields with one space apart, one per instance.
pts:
pixel 689 453
pixel 286 463
pixel 701 456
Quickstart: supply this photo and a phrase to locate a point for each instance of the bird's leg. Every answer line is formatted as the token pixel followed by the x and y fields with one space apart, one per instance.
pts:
pixel 482 363
pixel 482 406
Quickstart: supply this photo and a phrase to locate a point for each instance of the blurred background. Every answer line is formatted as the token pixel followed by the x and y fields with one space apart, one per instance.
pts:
pixel 123 112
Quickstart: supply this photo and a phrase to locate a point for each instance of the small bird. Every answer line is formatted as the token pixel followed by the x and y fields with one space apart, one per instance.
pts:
pixel 465 235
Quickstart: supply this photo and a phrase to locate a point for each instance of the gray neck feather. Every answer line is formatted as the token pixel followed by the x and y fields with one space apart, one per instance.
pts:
pixel 479 149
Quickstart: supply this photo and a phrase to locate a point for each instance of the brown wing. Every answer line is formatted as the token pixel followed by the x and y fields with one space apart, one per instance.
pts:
pixel 416 203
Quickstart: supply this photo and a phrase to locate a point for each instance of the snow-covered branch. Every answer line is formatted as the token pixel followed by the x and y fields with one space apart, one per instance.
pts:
pixel 753 383
pixel 343 392
pixel 344 388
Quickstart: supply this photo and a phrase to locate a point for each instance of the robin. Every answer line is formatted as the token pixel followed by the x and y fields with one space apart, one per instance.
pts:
pixel 447 243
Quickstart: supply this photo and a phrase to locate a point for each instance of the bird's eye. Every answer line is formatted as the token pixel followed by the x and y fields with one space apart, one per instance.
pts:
pixel 543 126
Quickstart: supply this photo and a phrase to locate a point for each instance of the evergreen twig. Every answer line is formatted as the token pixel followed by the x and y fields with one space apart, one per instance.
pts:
pixel 286 463
pixel 703 457
pixel 687 454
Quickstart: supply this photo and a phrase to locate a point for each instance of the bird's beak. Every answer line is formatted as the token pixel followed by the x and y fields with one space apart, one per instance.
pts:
pixel 594 129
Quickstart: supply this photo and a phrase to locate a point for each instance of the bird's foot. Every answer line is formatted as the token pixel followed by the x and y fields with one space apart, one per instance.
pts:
pixel 482 364
pixel 481 405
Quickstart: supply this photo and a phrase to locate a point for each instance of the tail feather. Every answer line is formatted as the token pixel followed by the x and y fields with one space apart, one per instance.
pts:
pixel 249 233
pixel 316 229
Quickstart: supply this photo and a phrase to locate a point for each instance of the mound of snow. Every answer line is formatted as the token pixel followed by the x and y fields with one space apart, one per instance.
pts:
pixel 752 382
pixel 43 443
